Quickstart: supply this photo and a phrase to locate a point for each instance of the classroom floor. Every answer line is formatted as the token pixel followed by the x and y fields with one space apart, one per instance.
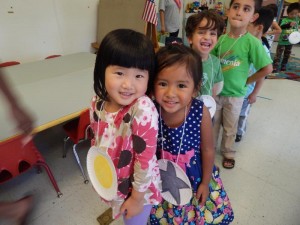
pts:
pixel 263 187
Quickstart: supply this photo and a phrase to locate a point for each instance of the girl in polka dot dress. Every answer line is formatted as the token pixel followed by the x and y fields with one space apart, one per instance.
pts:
pixel 125 121
pixel 185 137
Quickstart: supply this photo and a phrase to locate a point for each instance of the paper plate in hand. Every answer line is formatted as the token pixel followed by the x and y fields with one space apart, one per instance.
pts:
pixel 176 187
pixel 294 37
pixel 102 173
pixel 210 103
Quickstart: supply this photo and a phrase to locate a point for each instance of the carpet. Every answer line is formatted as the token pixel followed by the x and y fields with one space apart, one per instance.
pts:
pixel 292 71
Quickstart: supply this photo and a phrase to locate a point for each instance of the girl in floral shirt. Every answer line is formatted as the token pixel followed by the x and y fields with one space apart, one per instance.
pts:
pixel 125 121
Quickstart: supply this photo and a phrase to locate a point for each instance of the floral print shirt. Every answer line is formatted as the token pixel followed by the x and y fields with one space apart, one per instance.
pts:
pixel 130 138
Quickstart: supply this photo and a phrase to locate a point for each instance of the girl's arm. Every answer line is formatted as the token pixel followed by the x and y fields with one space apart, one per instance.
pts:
pixel 207 154
pixel 144 133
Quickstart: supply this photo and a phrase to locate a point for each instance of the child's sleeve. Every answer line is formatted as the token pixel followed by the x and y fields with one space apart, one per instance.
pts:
pixel 144 135
pixel 258 55
pixel 219 74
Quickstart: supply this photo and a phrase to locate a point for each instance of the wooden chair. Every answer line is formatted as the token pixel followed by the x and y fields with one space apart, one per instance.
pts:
pixel 78 130
pixel 9 63
pixel 17 157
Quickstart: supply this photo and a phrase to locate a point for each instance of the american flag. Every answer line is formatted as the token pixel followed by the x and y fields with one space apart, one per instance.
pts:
pixel 149 13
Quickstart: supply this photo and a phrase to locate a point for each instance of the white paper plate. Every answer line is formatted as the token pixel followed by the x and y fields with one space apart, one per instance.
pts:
pixel 176 187
pixel 294 37
pixel 210 103
pixel 102 173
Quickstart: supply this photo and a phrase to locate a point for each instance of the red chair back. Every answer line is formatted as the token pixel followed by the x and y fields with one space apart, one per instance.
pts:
pixel 17 157
pixel 52 56
pixel 76 129
pixel 10 63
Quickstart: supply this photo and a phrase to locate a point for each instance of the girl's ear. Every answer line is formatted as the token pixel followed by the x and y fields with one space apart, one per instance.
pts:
pixel 254 17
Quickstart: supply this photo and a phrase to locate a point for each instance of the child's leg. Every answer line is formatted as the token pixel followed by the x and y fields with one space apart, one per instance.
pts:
pixel 217 120
pixel 276 61
pixel 243 118
pixel 286 56
pixel 140 219
pixel 231 112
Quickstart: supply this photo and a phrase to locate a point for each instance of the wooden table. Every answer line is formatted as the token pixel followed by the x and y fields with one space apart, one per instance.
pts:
pixel 54 90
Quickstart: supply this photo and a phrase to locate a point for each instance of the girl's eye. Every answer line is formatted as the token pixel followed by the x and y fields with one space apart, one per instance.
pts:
pixel 163 84
pixel 181 85
pixel 213 33
pixel 119 73
pixel 235 7
pixel 139 76
pixel 201 32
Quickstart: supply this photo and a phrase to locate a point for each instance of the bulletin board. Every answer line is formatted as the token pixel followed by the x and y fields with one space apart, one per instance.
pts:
pixel 114 14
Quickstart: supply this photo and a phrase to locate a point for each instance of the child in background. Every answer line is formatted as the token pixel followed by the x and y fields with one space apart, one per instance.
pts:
pixel 288 25
pixel 236 51
pixel 177 82
pixel 125 121
pixel 259 27
pixel 202 30
pixel 169 11
pixel 275 28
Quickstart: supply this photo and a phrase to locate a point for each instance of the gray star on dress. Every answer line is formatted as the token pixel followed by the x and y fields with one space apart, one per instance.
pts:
pixel 172 183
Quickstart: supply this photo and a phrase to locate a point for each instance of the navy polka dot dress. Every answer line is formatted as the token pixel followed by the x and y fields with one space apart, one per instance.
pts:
pixel 217 209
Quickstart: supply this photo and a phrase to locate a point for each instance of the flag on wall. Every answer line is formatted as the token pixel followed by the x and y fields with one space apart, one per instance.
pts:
pixel 149 14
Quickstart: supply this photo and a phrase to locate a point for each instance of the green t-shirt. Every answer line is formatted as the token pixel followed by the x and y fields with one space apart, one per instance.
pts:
pixel 235 56
pixel 283 38
pixel 212 74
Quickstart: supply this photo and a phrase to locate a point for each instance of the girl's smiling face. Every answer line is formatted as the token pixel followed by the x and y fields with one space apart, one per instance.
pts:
pixel 173 90
pixel 124 85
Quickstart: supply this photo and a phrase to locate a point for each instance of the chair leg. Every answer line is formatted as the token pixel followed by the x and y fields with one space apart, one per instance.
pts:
pixel 79 164
pixel 65 150
pixel 51 177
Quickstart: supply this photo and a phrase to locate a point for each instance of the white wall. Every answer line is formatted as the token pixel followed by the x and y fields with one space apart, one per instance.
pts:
pixel 33 29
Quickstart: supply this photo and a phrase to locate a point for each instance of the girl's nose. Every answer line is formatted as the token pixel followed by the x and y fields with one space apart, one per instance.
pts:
pixel 126 83
pixel 170 92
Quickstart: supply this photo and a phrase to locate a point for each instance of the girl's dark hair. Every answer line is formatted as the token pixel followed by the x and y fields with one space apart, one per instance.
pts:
pixel 182 55
pixel 214 21
pixel 292 7
pixel 126 48
pixel 273 7
pixel 257 4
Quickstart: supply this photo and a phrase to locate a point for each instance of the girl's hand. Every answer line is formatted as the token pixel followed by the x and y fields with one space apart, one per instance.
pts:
pixel 202 193
pixel 131 207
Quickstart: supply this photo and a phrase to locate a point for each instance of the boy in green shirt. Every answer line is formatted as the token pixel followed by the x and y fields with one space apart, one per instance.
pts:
pixel 236 51
pixel 202 30
pixel 288 25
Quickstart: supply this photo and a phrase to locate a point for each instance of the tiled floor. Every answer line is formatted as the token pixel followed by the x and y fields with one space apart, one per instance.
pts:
pixel 263 187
